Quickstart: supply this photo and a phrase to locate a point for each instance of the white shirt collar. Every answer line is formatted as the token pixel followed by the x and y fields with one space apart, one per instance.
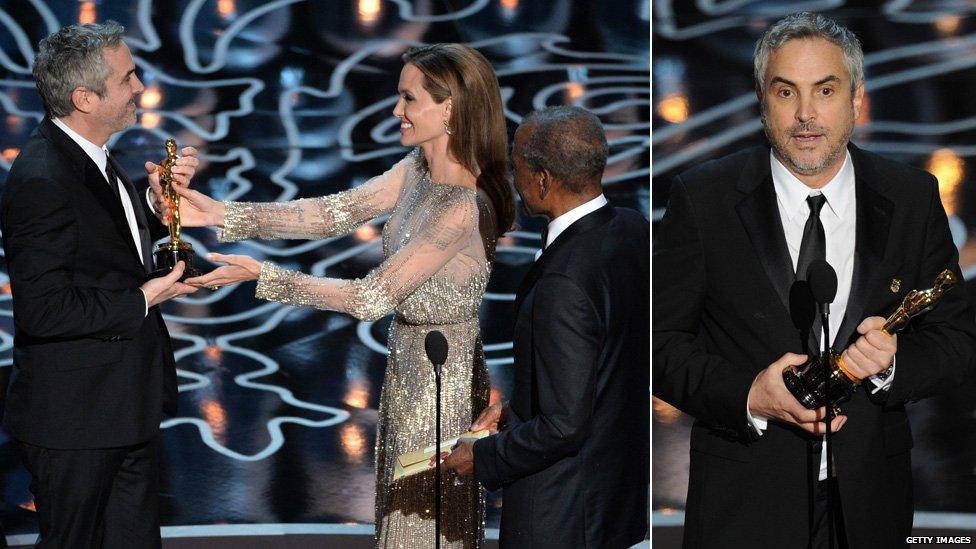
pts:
pixel 793 193
pixel 561 223
pixel 99 155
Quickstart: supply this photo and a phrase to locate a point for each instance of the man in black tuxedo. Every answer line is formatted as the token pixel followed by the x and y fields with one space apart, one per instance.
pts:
pixel 573 456
pixel 93 365
pixel 738 234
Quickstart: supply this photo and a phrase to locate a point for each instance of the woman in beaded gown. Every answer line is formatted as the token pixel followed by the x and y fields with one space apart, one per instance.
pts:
pixel 448 201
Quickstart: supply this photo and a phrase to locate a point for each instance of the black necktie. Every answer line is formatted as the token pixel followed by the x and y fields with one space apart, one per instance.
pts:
pixel 814 243
pixel 545 236
pixel 113 181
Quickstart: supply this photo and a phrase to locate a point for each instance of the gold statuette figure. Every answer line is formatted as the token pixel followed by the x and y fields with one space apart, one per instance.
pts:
pixel 807 382
pixel 169 253
pixel 166 178
pixel 917 302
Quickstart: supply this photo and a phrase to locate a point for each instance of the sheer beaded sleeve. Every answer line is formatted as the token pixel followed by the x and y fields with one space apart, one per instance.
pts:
pixel 311 218
pixel 487 226
pixel 450 227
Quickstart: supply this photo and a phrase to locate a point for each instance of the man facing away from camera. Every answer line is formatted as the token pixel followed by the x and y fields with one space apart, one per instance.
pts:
pixel 570 449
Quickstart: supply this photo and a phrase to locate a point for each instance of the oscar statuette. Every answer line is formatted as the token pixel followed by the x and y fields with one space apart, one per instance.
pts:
pixel 807 383
pixel 168 254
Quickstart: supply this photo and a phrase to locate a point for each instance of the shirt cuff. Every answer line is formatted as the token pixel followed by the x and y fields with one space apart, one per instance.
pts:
pixel 150 202
pixel 146 300
pixel 884 383
pixel 757 423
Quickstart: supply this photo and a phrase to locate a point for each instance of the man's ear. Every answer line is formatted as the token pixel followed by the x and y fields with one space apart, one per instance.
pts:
pixel 762 105
pixel 81 99
pixel 545 184
pixel 857 100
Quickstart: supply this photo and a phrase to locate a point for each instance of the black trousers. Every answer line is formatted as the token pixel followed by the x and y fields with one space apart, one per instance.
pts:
pixel 821 536
pixel 102 498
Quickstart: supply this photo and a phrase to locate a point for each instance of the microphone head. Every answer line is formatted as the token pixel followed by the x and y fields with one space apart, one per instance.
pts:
pixel 803 309
pixel 823 281
pixel 436 346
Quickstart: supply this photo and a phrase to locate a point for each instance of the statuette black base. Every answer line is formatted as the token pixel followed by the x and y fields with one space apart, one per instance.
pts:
pixel 806 383
pixel 169 254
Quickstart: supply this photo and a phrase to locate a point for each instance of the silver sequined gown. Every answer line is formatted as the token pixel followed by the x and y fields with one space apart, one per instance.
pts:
pixel 438 244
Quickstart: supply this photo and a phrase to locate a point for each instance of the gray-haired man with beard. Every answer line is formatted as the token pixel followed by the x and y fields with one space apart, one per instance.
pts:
pixel 93 365
pixel 738 234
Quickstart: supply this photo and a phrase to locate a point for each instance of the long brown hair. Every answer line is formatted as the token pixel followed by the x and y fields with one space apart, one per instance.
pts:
pixel 479 140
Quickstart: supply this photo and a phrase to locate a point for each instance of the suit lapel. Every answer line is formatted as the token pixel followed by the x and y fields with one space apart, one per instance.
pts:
pixel 759 215
pixel 874 213
pixel 93 179
pixel 583 224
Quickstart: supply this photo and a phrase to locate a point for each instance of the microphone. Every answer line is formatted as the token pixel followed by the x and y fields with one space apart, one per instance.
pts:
pixel 435 344
pixel 823 282
pixel 823 287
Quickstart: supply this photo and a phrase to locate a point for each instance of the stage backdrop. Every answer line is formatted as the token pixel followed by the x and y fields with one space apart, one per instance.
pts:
pixel 293 98
pixel 919 108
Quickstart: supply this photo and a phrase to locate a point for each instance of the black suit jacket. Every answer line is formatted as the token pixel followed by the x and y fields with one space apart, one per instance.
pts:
pixel 721 282
pixel 573 459
pixel 90 369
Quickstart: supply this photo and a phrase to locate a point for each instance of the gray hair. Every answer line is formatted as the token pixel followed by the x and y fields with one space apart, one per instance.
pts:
pixel 809 25
pixel 569 143
pixel 72 58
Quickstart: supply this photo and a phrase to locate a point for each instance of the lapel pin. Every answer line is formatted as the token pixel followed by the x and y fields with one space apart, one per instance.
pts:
pixel 895 285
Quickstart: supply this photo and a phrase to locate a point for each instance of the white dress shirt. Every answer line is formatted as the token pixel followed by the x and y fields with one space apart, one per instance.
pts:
pixel 99 156
pixel 839 218
pixel 561 223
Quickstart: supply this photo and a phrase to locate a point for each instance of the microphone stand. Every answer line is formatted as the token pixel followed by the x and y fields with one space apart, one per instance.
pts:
pixel 435 344
pixel 437 454
pixel 829 409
